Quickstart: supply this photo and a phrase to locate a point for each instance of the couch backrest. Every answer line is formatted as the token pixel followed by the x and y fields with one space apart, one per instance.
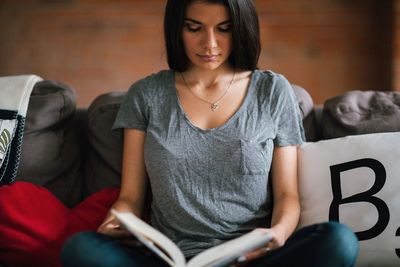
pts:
pixel 73 153
pixel 361 112
pixel 51 148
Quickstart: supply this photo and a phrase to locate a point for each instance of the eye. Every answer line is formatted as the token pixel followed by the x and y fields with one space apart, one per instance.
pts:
pixel 192 28
pixel 225 28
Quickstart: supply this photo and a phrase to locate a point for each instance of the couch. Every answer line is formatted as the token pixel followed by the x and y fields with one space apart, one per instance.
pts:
pixel 71 152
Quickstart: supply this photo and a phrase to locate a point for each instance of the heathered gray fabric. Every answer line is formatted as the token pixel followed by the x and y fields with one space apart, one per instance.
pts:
pixel 211 185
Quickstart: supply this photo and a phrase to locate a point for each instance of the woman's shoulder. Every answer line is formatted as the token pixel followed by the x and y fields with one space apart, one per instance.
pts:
pixel 271 82
pixel 272 77
pixel 157 79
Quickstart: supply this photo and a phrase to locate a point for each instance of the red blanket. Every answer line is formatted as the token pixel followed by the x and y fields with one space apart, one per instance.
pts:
pixel 34 224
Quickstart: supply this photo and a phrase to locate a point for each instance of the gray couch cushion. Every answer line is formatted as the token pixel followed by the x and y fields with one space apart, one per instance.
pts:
pixel 50 149
pixel 103 166
pixel 306 105
pixel 361 112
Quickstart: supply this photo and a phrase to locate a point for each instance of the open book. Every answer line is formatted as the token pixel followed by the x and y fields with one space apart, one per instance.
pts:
pixel 220 255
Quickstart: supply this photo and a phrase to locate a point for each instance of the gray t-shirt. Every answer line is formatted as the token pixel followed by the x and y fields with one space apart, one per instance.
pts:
pixel 211 185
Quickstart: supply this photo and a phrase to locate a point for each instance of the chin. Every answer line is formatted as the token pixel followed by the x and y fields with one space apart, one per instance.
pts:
pixel 209 65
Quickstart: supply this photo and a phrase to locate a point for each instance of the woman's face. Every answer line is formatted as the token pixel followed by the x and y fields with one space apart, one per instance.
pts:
pixel 207 35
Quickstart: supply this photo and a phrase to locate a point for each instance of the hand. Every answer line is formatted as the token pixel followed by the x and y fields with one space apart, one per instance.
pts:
pixel 278 240
pixel 111 227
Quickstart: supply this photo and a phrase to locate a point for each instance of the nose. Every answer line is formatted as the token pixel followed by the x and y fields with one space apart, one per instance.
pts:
pixel 210 39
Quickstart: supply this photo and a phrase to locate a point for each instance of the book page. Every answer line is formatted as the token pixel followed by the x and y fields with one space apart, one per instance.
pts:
pixel 151 238
pixel 229 251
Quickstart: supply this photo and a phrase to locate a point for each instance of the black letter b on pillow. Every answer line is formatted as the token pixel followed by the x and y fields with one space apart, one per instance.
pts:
pixel 367 196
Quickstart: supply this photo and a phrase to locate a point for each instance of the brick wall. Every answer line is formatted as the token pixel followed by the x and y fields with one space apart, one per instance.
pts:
pixel 326 46
pixel 329 46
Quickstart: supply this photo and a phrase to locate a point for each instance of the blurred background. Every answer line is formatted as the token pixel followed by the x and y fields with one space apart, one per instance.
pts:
pixel 97 46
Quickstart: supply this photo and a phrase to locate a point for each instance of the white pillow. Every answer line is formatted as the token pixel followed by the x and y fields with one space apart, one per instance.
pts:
pixel 364 171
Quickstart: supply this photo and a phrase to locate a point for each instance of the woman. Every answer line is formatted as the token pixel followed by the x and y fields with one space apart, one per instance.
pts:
pixel 216 141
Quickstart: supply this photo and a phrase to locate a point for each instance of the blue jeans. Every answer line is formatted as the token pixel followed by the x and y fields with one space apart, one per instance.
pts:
pixel 321 245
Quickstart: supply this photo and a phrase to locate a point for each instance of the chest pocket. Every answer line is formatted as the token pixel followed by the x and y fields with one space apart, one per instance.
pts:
pixel 255 158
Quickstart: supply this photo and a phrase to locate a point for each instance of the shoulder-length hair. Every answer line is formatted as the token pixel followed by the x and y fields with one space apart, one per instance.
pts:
pixel 245 33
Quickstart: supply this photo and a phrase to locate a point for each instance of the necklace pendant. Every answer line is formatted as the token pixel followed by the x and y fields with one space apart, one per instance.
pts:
pixel 214 106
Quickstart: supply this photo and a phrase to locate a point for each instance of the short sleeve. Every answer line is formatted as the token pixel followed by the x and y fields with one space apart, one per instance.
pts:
pixel 285 113
pixel 132 113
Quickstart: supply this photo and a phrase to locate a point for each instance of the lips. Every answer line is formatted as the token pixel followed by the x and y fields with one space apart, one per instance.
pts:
pixel 208 58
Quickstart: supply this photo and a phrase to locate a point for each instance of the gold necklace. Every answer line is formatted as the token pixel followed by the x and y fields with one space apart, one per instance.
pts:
pixel 213 105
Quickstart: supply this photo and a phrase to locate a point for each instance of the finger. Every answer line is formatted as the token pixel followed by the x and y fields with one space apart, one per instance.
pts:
pixel 274 244
pixel 114 231
pixel 106 227
pixel 254 254
pixel 108 222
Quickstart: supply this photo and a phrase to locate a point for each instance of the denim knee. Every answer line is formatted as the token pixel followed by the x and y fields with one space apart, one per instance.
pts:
pixel 94 249
pixel 341 242
pixel 76 249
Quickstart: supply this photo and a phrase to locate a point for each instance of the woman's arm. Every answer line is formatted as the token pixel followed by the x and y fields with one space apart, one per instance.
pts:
pixel 133 183
pixel 286 211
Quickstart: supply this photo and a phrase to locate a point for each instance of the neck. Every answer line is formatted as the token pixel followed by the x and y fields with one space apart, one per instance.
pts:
pixel 208 78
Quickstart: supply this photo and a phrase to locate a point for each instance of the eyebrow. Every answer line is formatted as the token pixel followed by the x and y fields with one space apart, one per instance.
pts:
pixel 198 22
